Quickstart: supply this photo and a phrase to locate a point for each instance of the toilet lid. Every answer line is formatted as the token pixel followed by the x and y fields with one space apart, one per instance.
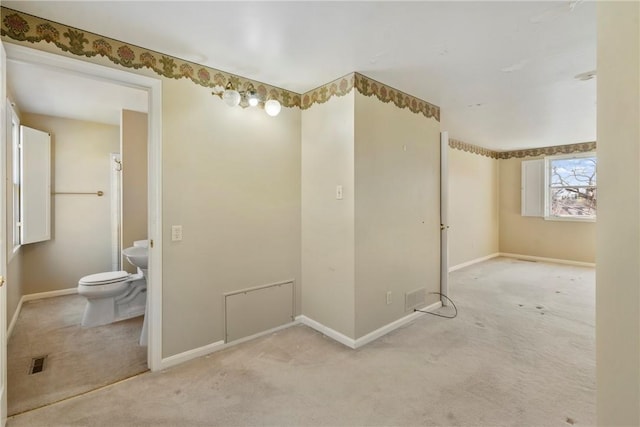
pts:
pixel 104 278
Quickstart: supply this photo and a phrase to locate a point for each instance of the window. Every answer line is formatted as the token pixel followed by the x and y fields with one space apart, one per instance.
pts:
pixel 560 187
pixel 571 187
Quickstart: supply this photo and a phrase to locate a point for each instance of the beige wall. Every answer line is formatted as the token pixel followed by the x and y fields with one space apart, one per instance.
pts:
pixel 384 234
pixel 567 240
pixel 80 242
pixel 133 149
pixel 231 178
pixel 473 206
pixel 397 209
pixel 618 235
pixel 14 285
pixel 328 224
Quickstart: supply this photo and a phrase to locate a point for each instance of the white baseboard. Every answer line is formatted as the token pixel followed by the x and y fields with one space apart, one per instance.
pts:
pixel 260 334
pixel 50 294
pixel 325 330
pixel 553 260
pixel 371 336
pixel 14 319
pixel 179 358
pixel 473 261
pixel 33 297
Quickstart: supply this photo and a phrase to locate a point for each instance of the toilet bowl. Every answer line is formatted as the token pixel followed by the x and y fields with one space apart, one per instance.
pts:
pixel 113 296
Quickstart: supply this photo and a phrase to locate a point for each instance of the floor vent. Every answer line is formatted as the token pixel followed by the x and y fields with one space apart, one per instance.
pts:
pixel 37 365
pixel 415 299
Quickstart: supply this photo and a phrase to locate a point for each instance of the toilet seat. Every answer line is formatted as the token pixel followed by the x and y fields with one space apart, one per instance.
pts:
pixel 103 290
pixel 104 278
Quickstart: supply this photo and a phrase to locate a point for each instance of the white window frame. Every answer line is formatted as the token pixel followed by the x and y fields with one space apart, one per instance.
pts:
pixel 547 187
pixel 16 183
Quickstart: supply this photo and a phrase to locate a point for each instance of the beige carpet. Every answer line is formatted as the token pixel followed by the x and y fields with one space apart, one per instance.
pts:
pixel 520 353
pixel 79 359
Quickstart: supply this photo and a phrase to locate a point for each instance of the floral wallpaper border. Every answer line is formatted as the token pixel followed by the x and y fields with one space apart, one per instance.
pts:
pixel 470 148
pixel 369 87
pixel 25 28
pixel 582 147
pixel 339 87
pixel 28 29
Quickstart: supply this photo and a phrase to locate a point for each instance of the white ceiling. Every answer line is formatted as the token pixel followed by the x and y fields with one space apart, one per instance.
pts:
pixel 503 73
pixel 43 90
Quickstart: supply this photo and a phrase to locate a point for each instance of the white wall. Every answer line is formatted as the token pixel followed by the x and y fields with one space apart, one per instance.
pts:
pixel 618 229
pixel 81 239
pixel 328 224
pixel 473 206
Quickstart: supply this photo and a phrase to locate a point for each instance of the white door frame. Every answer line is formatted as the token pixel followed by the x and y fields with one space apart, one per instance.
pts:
pixel 444 216
pixel 115 190
pixel 3 237
pixel 153 86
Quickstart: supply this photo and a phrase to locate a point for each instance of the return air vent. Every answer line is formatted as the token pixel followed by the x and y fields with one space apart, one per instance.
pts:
pixel 414 299
pixel 37 365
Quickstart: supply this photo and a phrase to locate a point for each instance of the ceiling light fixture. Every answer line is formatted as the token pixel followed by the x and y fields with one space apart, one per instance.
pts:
pixel 247 98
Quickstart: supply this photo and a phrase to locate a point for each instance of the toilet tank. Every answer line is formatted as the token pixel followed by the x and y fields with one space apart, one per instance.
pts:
pixel 141 243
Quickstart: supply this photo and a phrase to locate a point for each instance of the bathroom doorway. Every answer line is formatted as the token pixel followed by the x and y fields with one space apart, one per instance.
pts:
pixel 152 88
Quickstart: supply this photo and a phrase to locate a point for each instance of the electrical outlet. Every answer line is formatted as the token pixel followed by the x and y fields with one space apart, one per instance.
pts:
pixel 176 233
pixel 388 297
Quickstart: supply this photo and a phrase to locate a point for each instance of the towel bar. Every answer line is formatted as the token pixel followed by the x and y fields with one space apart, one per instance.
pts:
pixel 95 193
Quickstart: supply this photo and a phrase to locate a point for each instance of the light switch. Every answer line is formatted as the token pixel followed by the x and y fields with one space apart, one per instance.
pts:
pixel 176 233
pixel 339 192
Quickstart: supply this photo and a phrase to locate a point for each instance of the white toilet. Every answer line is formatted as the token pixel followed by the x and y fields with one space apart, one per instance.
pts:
pixel 114 295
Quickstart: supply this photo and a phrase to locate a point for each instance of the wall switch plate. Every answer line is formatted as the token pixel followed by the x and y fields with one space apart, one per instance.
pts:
pixel 339 192
pixel 176 233
pixel 388 297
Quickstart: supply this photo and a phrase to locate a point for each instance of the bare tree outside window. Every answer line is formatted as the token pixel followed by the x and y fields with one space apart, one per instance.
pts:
pixel 572 189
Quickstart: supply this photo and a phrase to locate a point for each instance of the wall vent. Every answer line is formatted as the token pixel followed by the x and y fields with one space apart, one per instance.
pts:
pixel 37 365
pixel 415 299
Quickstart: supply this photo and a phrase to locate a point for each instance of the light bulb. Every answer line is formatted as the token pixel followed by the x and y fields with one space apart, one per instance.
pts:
pixel 231 97
pixel 252 98
pixel 272 107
